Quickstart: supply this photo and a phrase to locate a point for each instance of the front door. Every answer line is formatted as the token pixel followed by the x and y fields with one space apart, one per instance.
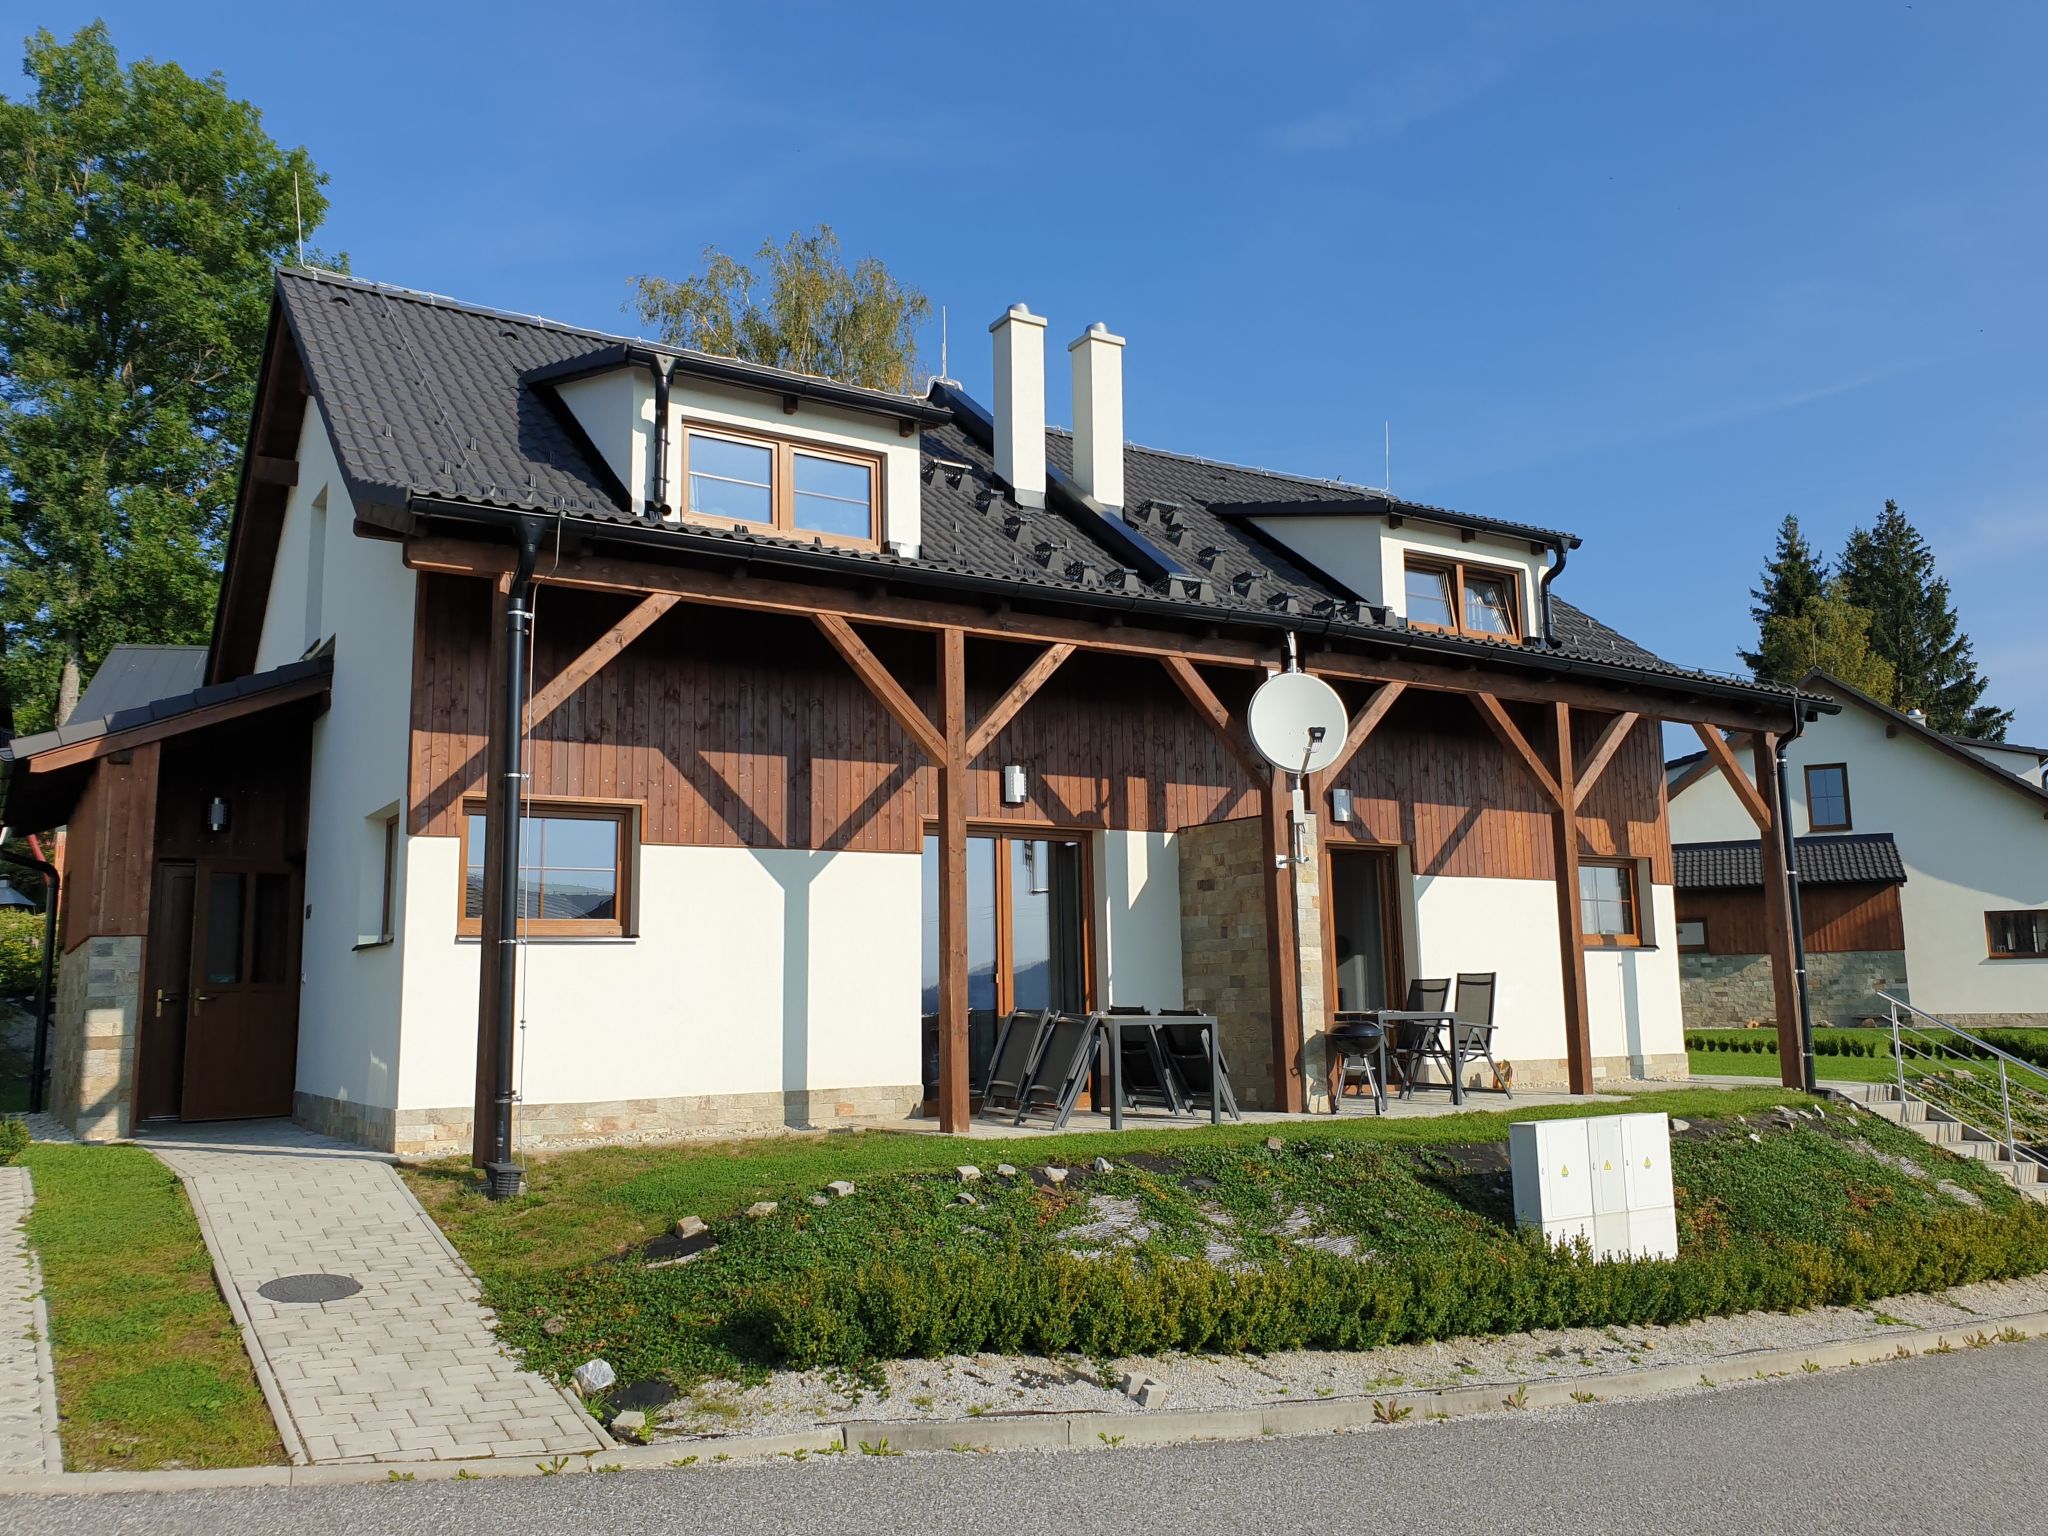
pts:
pixel 1364 930
pixel 160 1067
pixel 242 1023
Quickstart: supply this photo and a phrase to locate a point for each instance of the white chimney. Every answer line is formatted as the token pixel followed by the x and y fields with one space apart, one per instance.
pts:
pixel 1020 404
pixel 1099 414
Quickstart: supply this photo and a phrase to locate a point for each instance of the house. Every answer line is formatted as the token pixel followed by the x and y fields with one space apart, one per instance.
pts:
pixel 1923 871
pixel 845 722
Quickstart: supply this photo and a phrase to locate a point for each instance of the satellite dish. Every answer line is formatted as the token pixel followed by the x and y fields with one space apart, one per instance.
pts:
pixel 1286 716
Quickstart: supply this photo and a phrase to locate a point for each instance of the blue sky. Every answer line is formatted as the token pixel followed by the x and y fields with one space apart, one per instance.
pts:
pixel 1654 273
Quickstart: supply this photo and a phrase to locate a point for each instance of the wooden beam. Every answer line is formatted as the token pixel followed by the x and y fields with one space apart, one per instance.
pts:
pixel 1496 717
pixel 1604 747
pixel 564 684
pixel 955 1103
pixel 53 758
pixel 1778 918
pixel 1283 947
pixel 1196 690
pixel 269 469
pixel 887 691
pixel 1019 694
pixel 1571 927
pixel 1723 757
pixel 1362 725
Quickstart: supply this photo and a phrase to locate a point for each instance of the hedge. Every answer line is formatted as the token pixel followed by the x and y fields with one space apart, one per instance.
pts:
pixel 2029 1045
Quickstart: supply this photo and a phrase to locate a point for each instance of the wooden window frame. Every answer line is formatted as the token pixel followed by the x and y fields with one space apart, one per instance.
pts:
pixel 1635 938
pixel 1393 936
pixel 782 485
pixel 1848 821
pixel 1990 938
pixel 1456 567
pixel 626 813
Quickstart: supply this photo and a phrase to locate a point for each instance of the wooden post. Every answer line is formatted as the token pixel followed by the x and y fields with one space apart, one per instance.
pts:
pixel 955 1105
pixel 1283 949
pixel 1571 934
pixel 1778 915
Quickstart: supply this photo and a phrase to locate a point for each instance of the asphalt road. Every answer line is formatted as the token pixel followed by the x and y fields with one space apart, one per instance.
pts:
pixel 1950 1444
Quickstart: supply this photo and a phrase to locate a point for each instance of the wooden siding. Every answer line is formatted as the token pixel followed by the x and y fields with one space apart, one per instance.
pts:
pixel 1838 919
pixel 108 862
pixel 735 728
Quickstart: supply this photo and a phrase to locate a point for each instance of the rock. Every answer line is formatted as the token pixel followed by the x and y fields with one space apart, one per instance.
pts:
pixel 1275 1144
pixel 819 1200
pixel 630 1425
pixel 594 1377
pixel 1681 1125
pixel 688 1227
pixel 1150 1395
pixel 761 1208
pixel 1005 1171
pixel 1756 1138
pixel 1128 1382
pixel 684 1258
pixel 553 1326
pixel 839 1189
pixel 1054 1175
pixel 965 1198
pixel 969 1174
pixel 1102 1165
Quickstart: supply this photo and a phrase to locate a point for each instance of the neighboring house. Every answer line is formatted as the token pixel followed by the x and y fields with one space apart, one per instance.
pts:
pixel 855 719
pixel 1924 861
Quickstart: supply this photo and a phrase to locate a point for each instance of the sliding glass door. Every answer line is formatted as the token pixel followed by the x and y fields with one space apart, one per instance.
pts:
pixel 1363 930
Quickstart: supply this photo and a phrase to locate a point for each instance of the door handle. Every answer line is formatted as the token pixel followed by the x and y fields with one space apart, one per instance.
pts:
pixel 200 997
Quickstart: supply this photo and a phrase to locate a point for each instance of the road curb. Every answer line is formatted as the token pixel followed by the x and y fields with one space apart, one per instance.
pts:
pixel 1090 1431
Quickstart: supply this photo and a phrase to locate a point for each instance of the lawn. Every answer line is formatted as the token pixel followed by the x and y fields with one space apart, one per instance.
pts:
pixel 150 1366
pixel 1840 1069
pixel 1352 1233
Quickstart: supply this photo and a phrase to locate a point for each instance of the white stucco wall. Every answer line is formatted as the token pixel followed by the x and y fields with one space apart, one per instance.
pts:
pixel 1371 558
pixel 1137 892
pixel 756 971
pixel 1969 845
pixel 348 999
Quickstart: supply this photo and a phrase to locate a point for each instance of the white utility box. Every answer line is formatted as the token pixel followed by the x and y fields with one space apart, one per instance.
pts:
pixel 1604 1178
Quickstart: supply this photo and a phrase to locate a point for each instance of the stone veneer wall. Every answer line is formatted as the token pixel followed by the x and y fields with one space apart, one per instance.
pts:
pixel 447 1132
pixel 92 1046
pixel 1224 969
pixel 1716 990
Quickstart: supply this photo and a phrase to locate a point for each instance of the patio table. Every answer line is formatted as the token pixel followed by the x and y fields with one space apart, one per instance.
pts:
pixel 1430 1027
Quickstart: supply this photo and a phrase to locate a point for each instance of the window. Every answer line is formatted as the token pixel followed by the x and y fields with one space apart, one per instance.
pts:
pixel 2017 935
pixel 1464 599
pixel 1608 910
pixel 781 487
pixel 1692 933
pixel 575 870
pixel 1827 797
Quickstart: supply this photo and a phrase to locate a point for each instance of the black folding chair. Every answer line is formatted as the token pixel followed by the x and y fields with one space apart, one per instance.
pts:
pixel 1473 1038
pixel 1411 1044
pixel 1061 1068
pixel 1184 1037
pixel 1016 1053
pixel 1143 1068
pixel 1358 1041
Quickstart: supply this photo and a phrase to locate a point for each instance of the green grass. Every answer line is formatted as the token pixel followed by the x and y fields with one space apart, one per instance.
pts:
pixel 150 1366
pixel 1841 1069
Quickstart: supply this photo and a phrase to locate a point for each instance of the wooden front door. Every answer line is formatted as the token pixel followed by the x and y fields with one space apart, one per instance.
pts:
pixel 160 1067
pixel 242 1024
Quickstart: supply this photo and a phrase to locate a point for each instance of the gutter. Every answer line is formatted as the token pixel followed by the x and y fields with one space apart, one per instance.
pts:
pixel 1808 1072
pixel 663 372
pixel 1550 574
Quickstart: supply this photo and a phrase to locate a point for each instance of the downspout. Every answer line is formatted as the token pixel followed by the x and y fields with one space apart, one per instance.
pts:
pixel 1790 844
pixel 502 1176
pixel 52 884
pixel 662 370
pixel 1543 582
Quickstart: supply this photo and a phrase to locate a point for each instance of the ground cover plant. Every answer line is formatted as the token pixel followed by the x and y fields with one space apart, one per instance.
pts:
pixel 1351 1234
pixel 150 1366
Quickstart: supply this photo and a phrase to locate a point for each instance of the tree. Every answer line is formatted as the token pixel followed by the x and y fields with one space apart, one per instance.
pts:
pixel 817 316
pixel 1828 632
pixel 1791 581
pixel 1888 571
pixel 141 214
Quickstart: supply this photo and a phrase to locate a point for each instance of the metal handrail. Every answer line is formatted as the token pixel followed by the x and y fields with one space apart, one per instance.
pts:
pixel 2013 1151
pixel 1956 1029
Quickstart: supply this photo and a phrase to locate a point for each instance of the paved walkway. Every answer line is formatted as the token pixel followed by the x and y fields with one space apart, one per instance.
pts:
pixel 28 1389
pixel 407 1369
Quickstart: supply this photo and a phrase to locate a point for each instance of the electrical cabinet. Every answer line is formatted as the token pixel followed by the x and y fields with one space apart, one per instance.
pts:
pixel 1605 1179
pixel 1552 1181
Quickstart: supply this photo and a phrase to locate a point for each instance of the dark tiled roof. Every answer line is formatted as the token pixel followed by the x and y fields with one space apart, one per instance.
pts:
pixel 133 675
pixel 429 399
pixel 1855 858
pixel 82 729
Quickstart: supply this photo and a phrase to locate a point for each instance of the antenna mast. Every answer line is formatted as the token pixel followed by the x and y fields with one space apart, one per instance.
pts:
pixel 945 371
pixel 1387 456
pixel 299 218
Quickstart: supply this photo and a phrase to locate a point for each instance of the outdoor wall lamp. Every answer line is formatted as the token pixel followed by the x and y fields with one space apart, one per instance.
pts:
pixel 1016 787
pixel 217 815
pixel 1340 804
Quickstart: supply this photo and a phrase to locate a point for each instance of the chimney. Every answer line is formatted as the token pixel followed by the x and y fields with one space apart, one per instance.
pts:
pixel 1020 404
pixel 1099 414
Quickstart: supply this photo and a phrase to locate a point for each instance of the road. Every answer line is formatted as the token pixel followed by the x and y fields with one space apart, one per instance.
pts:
pixel 1948 1443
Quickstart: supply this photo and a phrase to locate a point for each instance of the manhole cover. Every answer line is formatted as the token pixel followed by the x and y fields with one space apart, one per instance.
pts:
pixel 309 1288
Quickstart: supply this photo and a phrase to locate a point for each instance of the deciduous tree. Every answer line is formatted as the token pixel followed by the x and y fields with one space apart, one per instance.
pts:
pixel 1828 632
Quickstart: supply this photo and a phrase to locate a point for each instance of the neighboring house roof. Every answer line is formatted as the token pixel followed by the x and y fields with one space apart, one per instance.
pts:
pixel 436 406
pixel 1855 858
pixel 140 674
pixel 1827 682
pixel 158 718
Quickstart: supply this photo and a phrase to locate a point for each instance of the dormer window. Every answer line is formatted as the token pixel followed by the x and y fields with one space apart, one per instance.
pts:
pixel 781 487
pixel 1463 599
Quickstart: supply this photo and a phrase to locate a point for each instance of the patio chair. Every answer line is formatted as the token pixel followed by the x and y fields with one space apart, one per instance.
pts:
pixel 1357 1043
pixel 1184 1038
pixel 1147 1076
pixel 1061 1068
pixel 1408 1045
pixel 1474 1009
pixel 1016 1053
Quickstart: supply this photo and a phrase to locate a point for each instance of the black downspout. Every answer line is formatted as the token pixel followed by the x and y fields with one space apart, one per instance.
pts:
pixel 1808 1076
pixel 502 1175
pixel 1550 574
pixel 39 1058
pixel 661 368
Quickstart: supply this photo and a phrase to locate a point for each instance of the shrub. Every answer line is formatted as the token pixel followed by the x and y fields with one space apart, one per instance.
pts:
pixel 13 1140
pixel 21 952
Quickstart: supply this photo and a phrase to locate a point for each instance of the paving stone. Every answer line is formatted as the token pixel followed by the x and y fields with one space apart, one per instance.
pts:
pixel 26 1439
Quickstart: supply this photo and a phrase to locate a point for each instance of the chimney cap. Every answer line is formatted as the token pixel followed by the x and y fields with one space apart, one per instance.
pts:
pixel 1021 314
pixel 1096 332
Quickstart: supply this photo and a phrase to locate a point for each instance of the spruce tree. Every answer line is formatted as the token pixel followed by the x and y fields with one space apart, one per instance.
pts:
pixel 1888 571
pixel 1793 580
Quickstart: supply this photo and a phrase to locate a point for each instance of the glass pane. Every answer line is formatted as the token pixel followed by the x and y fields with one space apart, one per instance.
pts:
pixel 1828 797
pixel 981 922
pixel 930 909
pixel 833 497
pixel 473 870
pixel 1358 920
pixel 225 891
pixel 271 949
pixel 577 842
pixel 732 480
pixel 1031 959
pixel 832 477
pixel 1429 597
pixel 1605 901
pixel 1486 606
